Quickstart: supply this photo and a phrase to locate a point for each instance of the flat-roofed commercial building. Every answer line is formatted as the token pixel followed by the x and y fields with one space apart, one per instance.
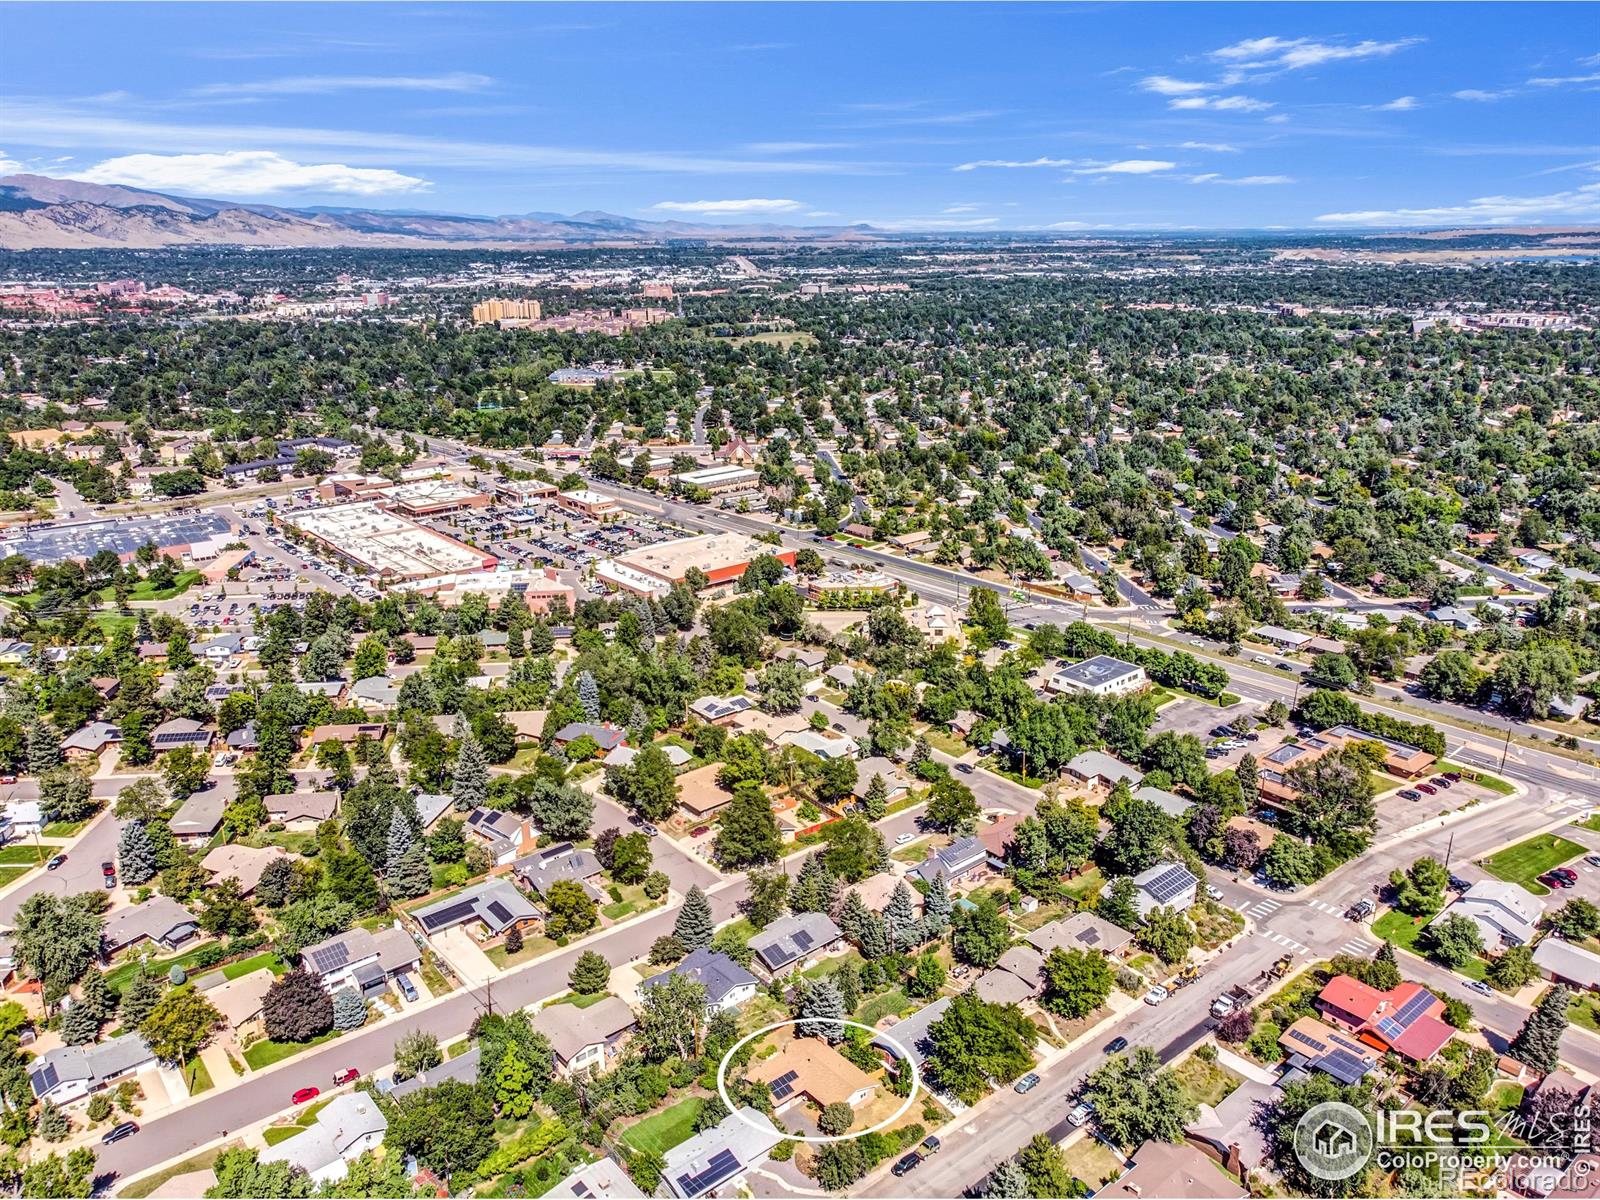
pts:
pixel 524 491
pixel 723 557
pixel 432 496
pixel 540 588
pixel 385 543
pixel 586 503
pixel 716 480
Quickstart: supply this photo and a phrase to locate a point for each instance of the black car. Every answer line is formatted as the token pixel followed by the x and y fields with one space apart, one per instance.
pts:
pixel 907 1164
pixel 125 1130
pixel 1116 1045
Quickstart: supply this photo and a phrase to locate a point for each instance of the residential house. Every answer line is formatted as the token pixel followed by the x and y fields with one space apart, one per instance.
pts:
pixel 1234 1129
pixel 843 676
pixel 888 769
pixel 88 743
pixel 496 904
pixel 463 1068
pixel 361 959
pixel 809 1070
pixel 1284 639
pixel 375 692
pixel 431 806
pixel 1173 1169
pixel 623 756
pixel 159 919
pixel 348 734
pixel 958 861
pixel 22 819
pixel 245 863
pixel 528 722
pixel 1311 1044
pixel 504 834
pixel 792 942
pixel 1017 976
pixel 199 817
pixel 246 739
pixel 180 731
pixel 1099 769
pixel 600 1180
pixel 301 810
pixel 586 1037
pixel 239 1000
pixel 1506 914
pixel 70 1073
pixel 699 794
pixel 728 985
pixel 1165 885
pixel 1408 1019
pixel 1567 963
pixel 720 710
pixel 1081 931
pixel 717 1159
pixel 908 1039
pixel 824 743
pixel 561 861
pixel 345 1128
pixel 1101 676
pixel 1171 804
pixel 606 737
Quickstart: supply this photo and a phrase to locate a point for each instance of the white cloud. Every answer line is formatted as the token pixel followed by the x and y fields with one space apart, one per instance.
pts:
pixel 1399 104
pixel 1221 103
pixel 1014 165
pixel 954 209
pixel 1165 85
pixel 1579 203
pixel 1292 54
pixel 1564 80
pixel 11 166
pixel 1242 180
pixel 1213 147
pixel 793 147
pixel 724 207
pixel 318 85
pixel 1479 95
pixel 246 173
pixel 1128 166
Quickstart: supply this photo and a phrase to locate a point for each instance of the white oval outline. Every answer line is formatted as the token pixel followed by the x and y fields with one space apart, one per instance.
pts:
pixel 824 1139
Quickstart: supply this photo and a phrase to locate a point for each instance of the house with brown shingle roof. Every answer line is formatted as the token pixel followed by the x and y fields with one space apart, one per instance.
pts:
pixel 807 1068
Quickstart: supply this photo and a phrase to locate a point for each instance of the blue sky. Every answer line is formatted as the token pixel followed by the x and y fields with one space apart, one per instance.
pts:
pixel 1078 116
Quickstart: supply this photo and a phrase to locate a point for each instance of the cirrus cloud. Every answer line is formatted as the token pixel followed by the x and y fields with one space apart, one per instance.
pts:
pixel 1583 202
pixel 1010 164
pixel 1221 103
pixel 246 173
pixel 322 85
pixel 1293 54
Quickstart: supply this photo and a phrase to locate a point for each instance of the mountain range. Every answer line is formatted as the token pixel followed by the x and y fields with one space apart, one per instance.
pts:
pixel 41 213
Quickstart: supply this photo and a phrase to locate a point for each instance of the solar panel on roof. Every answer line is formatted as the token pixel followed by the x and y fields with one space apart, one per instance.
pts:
pixel 49 1077
pixel 1343 1066
pixel 330 958
pixel 499 912
pixel 1090 937
pixel 723 1166
pixel 1306 1039
pixel 783 1086
pixel 803 940
pixel 1168 885
pixel 453 915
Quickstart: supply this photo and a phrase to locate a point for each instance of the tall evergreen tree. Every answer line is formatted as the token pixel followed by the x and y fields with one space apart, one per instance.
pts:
pixel 936 908
pixel 589 695
pixel 349 1009
pixel 900 919
pixel 469 783
pixel 136 855
pixel 822 1008
pixel 44 747
pixel 694 926
pixel 411 875
pixel 1538 1042
pixel 876 799
pixel 1007 1181
pixel 80 1025
pixel 815 888
pixel 400 838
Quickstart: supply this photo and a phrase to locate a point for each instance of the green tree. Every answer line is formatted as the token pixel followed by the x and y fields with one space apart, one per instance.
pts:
pixel 980 934
pixel 415 1053
pixel 1137 1100
pixel 694 925
pixel 1076 982
pixel 590 975
pixel 570 909
pixel 748 832
pixel 180 1025
pixel 975 1044
pixel 1045 1168
pixel 1538 1042
pixel 1419 891
pixel 1455 940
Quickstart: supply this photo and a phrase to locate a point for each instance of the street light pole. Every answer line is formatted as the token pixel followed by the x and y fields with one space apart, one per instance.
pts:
pixel 1505 749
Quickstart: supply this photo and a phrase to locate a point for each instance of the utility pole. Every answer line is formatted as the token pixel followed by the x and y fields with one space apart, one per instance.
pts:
pixel 1449 846
pixel 1505 749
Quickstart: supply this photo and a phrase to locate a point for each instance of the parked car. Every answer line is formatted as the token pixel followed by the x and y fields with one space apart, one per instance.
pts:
pixel 700 831
pixel 930 1145
pixel 126 1130
pixel 1116 1045
pixel 1479 986
pixel 348 1075
pixel 1441 782
pixel 1079 1116
pixel 1427 789
pixel 305 1094
pixel 1410 794
pixel 902 839
pixel 407 988
pixel 55 862
pixel 1552 880
pixel 907 1164
pixel 1026 1084
pixel 1565 873
pixel 1360 910
pixel 1453 776
pixel 1592 859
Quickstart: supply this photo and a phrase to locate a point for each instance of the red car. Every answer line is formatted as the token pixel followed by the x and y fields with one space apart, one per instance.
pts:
pixel 1427 789
pixel 305 1094
pixel 348 1075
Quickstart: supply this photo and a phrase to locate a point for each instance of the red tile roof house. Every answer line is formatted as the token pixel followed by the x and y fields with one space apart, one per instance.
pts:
pixel 1407 1019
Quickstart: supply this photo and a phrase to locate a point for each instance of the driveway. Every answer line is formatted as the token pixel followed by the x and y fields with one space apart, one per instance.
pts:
pixel 461 950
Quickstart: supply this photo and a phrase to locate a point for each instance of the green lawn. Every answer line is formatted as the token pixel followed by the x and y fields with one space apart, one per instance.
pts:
pixel 1483 779
pixel 664 1130
pixel 280 1133
pixel 30 855
pixel 533 945
pixel 1525 861
pixel 118 976
pixel 198 1076
pixel 580 1001
pixel 63 829
pixel 1585 1011
pixel 199 1162
pixel 267 959
pixel 943 739
pixel 266 1052
pixel 882 1005
pixel 1395 926
pixel 144 591
pixel 1205 1082
pixel 12 874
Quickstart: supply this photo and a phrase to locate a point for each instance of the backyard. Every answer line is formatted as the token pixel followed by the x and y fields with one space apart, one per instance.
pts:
pixel 662 1131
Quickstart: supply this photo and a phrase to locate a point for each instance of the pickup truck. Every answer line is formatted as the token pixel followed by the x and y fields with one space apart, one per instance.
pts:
pixel 1222 1005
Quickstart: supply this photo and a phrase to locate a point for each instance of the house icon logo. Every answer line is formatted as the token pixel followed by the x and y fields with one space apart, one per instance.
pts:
pixel 1333 1140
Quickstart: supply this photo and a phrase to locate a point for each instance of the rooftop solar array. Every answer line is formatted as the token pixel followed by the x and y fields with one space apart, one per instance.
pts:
pixel 330 958
pixel 1090 937
pixel 1170 884
pixel 452 915
pixel 498 912
pixel 1395 1025
pixel 722 1167
pixel 55 544
pixel 803 939
pixel 783 1086
pixel 1347 1068
pixel 46 1077
pixel 1305 1039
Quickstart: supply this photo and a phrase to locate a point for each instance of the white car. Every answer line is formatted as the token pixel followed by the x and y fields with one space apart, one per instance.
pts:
pixel 903 838
pixel 1156 995
pixel 1213 891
